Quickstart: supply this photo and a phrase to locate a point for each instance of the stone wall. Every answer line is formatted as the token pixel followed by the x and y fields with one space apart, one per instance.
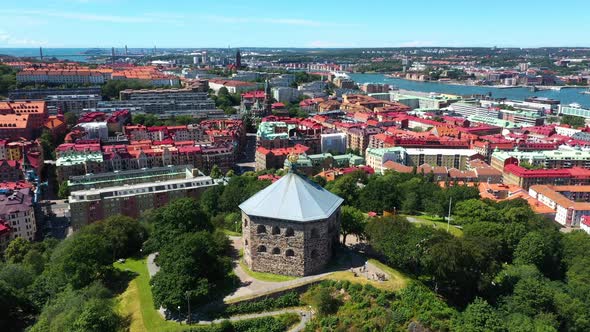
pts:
pixel 288 247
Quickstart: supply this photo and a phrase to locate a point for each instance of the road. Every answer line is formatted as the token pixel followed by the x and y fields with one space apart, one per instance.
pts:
pixel 56 218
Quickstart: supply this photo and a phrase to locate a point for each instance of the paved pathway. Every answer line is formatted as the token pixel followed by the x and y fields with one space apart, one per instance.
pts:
pixel 151 265
pixel 305 316
pixel 253 287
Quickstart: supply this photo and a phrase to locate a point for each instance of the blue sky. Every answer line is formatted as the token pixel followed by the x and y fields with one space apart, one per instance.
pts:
pixel 300 23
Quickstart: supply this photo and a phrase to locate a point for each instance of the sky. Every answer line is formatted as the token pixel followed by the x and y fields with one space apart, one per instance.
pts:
pixel 289 23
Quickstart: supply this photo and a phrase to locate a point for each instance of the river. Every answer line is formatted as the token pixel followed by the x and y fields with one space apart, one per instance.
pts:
pixel 566 96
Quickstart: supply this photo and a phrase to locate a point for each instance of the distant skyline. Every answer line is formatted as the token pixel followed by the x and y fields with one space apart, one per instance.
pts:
pixel 303 24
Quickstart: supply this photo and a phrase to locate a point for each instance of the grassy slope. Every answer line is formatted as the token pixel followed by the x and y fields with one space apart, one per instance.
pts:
pixel 138 304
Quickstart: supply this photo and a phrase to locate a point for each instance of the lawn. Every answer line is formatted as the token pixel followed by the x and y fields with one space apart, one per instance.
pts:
pixel 263 276
pixel 231 233
pixel 138 304
pixel 437 222
pixel 393 284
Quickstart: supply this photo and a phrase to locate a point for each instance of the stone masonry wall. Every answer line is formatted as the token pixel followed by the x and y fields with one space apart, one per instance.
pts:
pixel 267 244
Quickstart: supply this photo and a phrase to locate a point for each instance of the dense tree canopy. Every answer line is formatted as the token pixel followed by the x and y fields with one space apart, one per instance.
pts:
pixel 179 217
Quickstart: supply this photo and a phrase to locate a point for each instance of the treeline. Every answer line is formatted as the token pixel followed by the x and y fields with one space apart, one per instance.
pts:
pixel 193 256
pixel 220 203
pixel 226 101
pixel 510 271
pixel 402 192
pixel 7 79
pixel 150 120
pixel 68 285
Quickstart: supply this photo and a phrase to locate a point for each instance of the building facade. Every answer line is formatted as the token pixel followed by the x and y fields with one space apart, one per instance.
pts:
pixel 131 193
pixel 290 227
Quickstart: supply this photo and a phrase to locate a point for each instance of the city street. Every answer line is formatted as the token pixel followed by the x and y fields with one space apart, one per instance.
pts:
pixel 55 220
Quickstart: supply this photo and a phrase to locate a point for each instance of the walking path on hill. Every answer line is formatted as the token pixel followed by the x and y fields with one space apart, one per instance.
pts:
pixel 252 287
pixel 305 316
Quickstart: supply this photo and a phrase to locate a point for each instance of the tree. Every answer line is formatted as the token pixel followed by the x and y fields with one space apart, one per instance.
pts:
pixel 64 190
pixel 352 222
pixel 89 309
pixel 239 189
pixel 347 187
pixel 542 249
pixel 82 259
pixel 480 316
pixel 473 211
pixel 125 235
pixel 112 88
pixel 210 200
pixel 193 263
pixel 319 180
pixel 17 249
pixel 47 145
pixel 380 194
pixel 230 173
pixel 324 302
pixel 97 316
pixel 179 217
pixel 71 119
pixel 530 296
pixel 215 172
pixel 403 244
pixel 7 79
pixel 461 267
pixel 572 120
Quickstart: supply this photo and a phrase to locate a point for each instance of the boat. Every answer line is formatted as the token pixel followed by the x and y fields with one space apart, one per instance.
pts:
pixel 340 74
pixel 587 92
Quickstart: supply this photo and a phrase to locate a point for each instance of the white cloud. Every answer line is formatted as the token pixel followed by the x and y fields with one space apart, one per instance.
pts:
pixel 6 39
pixel 151 18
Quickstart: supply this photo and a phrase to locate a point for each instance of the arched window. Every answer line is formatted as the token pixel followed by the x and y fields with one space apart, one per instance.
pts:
pixel 276 251
pixel 314 254
pixel 275 230
pixel 315 233
pixel 289 232
pixel 245 222
pixel 246 242
pixel 261 249
pixel 261 229
pixel 289 253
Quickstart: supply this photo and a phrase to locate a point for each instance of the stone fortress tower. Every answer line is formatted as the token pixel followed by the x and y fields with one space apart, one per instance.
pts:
pixel 291 227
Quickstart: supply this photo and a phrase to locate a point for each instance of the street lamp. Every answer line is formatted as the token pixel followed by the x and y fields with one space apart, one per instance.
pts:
pixel 310 313
pixel 180 320
pixel 188 300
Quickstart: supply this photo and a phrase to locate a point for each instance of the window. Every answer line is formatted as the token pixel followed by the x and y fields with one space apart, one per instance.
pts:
pixel 314 254
pixel 289 232
pixel 289 253
pixel 276 251
pixel 276 230
pixel 261 229
pixel 261 249
pixel 245 222
pixel 315 233
pixel 246 242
